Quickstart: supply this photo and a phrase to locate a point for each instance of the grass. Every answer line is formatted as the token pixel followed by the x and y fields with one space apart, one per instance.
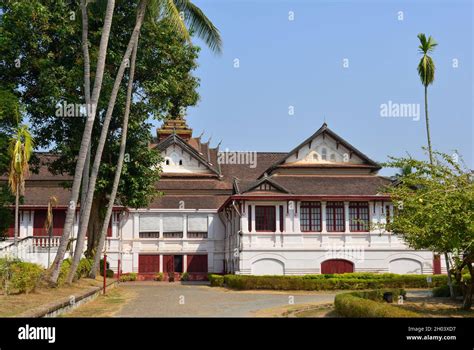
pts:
pixel 436 307
pixel 14 305
pixel 104 305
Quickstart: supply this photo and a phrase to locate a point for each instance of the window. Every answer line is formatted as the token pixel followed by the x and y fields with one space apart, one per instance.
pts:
pixel 197 234
pixel 180 162
pixel 167 162
pixel 282 219
pixel 335 216
pixel 265 218
pixel 333 157
pixel 324 154
pixel 359 216
pixel 172 234
pixel 315 156
pixel 310 216
pixel 250 218
pixel 149 234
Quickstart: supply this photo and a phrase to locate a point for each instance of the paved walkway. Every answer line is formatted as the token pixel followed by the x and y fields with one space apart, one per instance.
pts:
pixel 163 299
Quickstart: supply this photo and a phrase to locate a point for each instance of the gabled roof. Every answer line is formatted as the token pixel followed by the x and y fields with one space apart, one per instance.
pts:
pixel 325 130
pixel 253 185
pixel 174 139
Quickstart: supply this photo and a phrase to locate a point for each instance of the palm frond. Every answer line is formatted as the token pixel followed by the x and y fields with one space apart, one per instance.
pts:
pixel 20 151
pixel 200 24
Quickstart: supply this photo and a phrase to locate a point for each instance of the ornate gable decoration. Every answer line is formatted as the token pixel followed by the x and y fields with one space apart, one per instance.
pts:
pixel 265 185
pixel 180 158
pixel 325 149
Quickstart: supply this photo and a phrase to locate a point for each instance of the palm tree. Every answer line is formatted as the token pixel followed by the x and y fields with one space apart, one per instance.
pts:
pixel 426 71
pixel 86 137
pixel 172 10
pixel 21 149
pixel 48 223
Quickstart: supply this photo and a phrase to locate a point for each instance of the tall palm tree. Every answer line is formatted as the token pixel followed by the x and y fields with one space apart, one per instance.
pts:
pixel 21 149
pixel 86 139
pixel 426 71
pixel 172 10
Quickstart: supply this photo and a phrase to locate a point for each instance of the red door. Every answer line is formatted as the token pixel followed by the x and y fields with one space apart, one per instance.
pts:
pixel 39 219
pixel 148 263
pixel 197 263
pixel 168 263
pixel 436 265
pixel 336 266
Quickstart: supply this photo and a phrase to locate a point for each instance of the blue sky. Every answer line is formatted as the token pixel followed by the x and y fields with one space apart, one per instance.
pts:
pixel 299 63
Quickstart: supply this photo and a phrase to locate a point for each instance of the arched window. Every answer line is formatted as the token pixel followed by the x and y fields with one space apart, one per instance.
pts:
pixel 180 162
pixel 167 162
pixel 324 154
pixel 315 156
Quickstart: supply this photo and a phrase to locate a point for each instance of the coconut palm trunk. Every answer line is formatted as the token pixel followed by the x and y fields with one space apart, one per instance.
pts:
pixel 85 143
pixel 17 212
pixel 118 170
pixel 87 97
pixel 103 136
pixel 427 120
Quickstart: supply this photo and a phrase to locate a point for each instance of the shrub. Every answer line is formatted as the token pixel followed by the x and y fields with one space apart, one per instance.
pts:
pixel 368 305
pixel 128 277
pixel 84 268
pixel 63 272
pixel 101 266
pixel 216 280
pixel 184 276
pixel 158 276
pixel 443 291
pixel 332 282
pixel 19 277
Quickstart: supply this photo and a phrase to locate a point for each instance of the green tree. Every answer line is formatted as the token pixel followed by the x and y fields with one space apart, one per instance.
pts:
pixel 172 11
pixel 51 73
pixel 435 210
pixel 9 114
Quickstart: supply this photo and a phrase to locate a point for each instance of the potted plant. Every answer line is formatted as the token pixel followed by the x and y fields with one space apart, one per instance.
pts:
pixel 170 276
pixel 159 276
pixel 185 276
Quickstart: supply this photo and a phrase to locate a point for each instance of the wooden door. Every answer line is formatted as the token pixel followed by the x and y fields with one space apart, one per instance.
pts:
pixel 337 266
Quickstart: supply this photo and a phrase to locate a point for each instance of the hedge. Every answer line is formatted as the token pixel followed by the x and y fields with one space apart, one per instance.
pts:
pixel 332 282
pixel 216 280
pixel 19 277
pixel 369 305
pixel 128 277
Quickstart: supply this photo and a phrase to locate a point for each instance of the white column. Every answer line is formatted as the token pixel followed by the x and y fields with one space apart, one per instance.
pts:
pixel 136 225
pixel 323 217
pixel 161 262
pixel 210 226
pixel 346 215
pixel 297 216
pixel 161 230
pixel 185 226
pixel 185 263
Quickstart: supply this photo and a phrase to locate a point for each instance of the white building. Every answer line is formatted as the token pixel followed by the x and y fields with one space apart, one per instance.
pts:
pixel 319 208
